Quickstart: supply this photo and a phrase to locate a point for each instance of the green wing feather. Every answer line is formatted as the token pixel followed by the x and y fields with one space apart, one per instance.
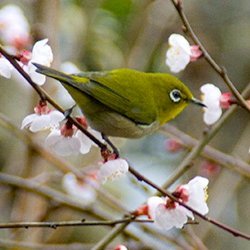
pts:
pixel 122 91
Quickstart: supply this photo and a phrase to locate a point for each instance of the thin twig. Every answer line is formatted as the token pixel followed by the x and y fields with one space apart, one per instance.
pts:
pixel 220 70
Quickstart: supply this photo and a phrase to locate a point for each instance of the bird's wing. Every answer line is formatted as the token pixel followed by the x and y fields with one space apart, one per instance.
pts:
pixel 123 92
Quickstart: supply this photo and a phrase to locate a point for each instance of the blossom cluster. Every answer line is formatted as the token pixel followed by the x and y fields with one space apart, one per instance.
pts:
pixel 66 139
pixel 167 213
pixel 15 34
pixel 179 54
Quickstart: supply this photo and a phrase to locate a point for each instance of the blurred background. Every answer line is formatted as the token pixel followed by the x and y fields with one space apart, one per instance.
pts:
pixel 106 34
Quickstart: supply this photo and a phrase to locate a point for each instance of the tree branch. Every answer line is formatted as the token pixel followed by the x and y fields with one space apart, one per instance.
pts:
pixel 209 152
pixel 55 225
pixel 45 96
pixel 220 70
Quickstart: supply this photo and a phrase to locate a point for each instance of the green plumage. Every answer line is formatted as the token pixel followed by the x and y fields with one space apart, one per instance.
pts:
pixel 124 102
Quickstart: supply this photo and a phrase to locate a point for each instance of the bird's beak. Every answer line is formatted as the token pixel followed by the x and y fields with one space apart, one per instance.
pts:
pixel 197 102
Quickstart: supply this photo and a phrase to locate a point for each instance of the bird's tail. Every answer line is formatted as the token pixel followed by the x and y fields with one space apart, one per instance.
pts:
pixel 60 76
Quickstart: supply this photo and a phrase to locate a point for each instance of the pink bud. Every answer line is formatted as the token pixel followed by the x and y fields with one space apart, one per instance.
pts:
pixel 120 247
pixel 196 53
pixel 141 210
pixel 226 100
pixel 67 129
pixel 181 193
pixel 209 168
pixel 42 108
pixel 173 145
pixel 82 120
pixel 25 56
pixel 20 42
pixel 170 204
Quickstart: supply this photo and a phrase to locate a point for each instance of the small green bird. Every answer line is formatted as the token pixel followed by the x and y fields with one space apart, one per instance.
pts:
pixel 125 102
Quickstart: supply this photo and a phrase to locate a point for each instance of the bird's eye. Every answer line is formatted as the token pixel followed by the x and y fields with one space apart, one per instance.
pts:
pixel 175 95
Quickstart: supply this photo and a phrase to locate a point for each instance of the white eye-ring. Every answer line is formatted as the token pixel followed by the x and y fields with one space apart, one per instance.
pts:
pixel 175 95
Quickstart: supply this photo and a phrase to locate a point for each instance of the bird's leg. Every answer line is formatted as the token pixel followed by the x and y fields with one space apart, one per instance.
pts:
pixel 69 111
pixel 114 148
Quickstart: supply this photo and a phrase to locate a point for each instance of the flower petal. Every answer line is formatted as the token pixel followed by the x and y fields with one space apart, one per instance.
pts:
pixel 40 123
pixel 39 79
pixel 28 120
pixel 62 145
pixel 211 98
pixel 78 190
pixel 55 118
pixel 113 169
pixel 152 203
pixel 5 68
pixel 86 143
pixel 197 194
pixel 176 40
pixel 42 54
pixel 169 218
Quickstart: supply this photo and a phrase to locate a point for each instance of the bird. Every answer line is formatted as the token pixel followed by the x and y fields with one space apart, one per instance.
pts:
pixel 125 102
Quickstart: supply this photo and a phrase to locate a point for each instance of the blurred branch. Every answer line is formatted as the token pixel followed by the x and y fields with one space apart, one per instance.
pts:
pixel 25 137
pixel 209 152
pixel 31 246
pixel 233 231
pixel 110 236
pixel 220 70
pixel 45 96
pixel 58 162
pixel 49 193
pixel 55 225
pixel 195 152
pixel 185 165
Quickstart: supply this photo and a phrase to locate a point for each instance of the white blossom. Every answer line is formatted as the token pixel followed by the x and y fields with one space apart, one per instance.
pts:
pixel 69 68
pixel 179 53
pixel 120 247
pixel 78 189
pixel 152 203
pixel 42 54
pixel 5 68
pixel 86 142
pixel 113 169
pixel 197 195
pixel 42 119
pixel 14 28
pixel 167 213
pixel 61 144
pixel 167 218
pixel 211 98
